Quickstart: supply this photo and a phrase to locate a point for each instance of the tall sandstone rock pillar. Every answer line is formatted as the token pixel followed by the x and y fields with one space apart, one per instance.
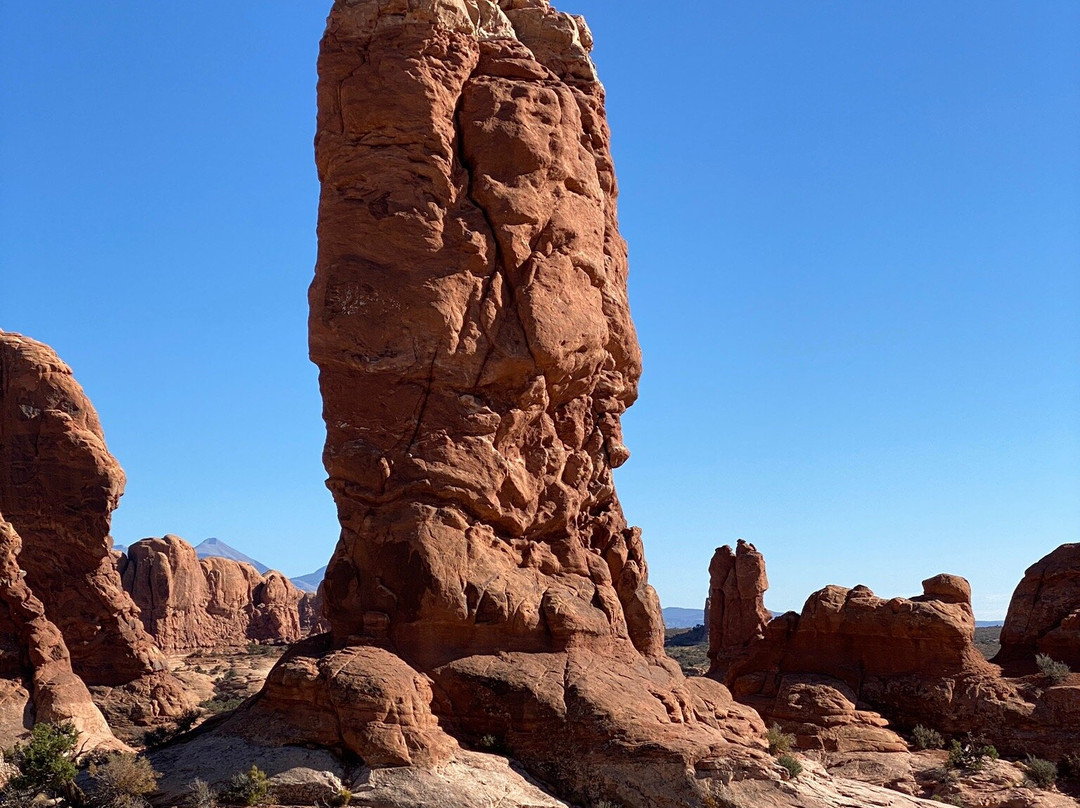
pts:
pixel 58 487
pixel 470 321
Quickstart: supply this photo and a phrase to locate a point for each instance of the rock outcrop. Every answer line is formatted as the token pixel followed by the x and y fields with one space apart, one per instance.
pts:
pixel 187 603
pixel 312 618
pixel 35 660
pixel 828 672
pixel 1044 613
pixel 58 487
pixel 470 322
pixel 735 613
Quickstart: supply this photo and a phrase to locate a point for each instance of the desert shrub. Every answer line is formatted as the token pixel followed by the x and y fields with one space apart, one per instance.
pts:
pixel 970 756
pixel 229 693
pixel 1041 772
pixel 778 740
pixel 493 744
pixel 46 761
pixel 1056 672
pixel 122 781
pixel 201 795
pixel 159 736
pixel 247 788
pixel 791 764
pixel 926 738
pixel 344 797
pixel 218 704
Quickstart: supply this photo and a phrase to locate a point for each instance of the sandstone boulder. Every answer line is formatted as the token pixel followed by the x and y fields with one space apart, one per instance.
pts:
pixel 187 603
pixel 1044 613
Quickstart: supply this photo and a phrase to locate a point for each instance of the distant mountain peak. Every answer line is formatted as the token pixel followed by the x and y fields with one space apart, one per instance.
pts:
pixel 215 547
pixel 311 581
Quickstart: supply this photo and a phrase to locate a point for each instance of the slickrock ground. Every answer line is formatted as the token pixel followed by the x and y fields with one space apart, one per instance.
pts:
pixel 830 674
pixel 34 660
pixel 1044 613
pixel 187 603
pixel 58 487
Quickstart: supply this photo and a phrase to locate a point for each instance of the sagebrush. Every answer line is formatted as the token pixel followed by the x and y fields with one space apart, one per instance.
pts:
pixel 970 756
pixel 926 738
pixel 778 740
pixel 201 795
pixel 792 765
pixel 247 788
pixel 122 781
pixel 1056 672
pixel 1040 772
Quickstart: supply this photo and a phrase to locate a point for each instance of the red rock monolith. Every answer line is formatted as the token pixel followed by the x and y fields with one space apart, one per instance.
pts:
pixel 58 486
pixel 1044 612
pixel 735 613
pixel 470 321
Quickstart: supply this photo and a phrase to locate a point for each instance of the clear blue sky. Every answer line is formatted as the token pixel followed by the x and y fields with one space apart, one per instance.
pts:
pixel 855 261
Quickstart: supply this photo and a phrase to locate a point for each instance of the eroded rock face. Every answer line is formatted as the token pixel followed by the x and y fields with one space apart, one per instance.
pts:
pixel 1044 613
pixel 826 673
pixel 312 618
pixel 471 282
pixel 470 322
pixel 735 612
pixel 58 487
pixel 187 603
pixel 34 652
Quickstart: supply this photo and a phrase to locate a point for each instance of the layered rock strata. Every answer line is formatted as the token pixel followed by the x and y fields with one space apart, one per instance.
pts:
pixel 827 672
pixel 187 603
pixel 58 487
pixel 35 660
pixel 1044 613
